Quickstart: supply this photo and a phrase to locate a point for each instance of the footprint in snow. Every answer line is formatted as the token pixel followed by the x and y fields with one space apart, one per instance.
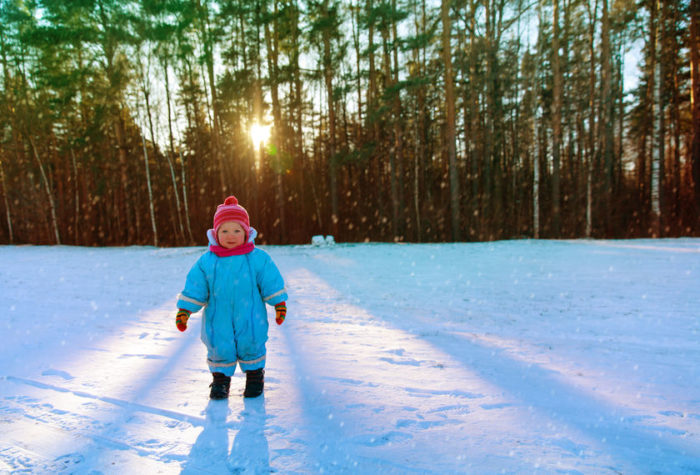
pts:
pixel 671 413
pixel 59 373
pixel 146 357
pixel 501 405
pixel 407 362
pixel 399 352
pixel 424 424
pixel 67 462
pixel 389 438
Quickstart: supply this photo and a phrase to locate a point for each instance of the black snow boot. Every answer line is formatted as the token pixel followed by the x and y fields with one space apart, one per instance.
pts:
pixel 254 382
pixel 220 386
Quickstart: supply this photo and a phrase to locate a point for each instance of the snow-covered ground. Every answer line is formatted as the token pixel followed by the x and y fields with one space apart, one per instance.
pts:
pixel 514 356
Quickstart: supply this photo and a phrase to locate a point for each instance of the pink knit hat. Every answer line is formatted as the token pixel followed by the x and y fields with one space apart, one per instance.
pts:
pixel 230 210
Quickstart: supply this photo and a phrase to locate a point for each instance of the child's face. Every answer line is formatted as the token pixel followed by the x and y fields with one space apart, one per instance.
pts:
pixel 231 234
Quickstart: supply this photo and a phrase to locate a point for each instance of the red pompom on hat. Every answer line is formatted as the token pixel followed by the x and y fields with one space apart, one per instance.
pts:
pixel 230 210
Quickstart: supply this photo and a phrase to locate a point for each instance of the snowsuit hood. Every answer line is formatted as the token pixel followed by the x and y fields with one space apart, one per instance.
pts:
pixel 223 252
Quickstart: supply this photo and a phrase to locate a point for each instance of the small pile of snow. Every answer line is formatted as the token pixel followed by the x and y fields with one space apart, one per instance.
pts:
pixel 320 240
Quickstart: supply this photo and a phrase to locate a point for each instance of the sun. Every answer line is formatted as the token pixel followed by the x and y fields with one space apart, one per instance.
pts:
pixel 259 133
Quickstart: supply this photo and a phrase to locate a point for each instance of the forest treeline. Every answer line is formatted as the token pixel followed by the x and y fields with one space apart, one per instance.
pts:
pixel 127 121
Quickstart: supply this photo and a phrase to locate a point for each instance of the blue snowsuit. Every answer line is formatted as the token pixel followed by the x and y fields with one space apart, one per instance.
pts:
pixel 234 290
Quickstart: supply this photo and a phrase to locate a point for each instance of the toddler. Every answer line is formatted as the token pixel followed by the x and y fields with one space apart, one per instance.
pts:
pixel 233 280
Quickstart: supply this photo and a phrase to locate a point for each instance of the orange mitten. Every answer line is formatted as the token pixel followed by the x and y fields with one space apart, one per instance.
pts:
pixel 181 319
pixel 280 312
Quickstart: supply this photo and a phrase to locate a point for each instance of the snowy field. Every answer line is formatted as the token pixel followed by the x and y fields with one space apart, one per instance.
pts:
pixel 514 356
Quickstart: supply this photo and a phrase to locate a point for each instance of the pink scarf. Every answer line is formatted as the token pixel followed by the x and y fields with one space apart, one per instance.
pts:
pixel 236 251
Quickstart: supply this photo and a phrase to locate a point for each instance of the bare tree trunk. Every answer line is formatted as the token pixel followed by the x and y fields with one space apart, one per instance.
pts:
pixel 354 11
pixel 694 46
pixel 272 43
pixel 606 127
pixel 150 192
pixel 493 118
pixel 416 178
pixel 536 157
pixel 393 149
pixel 556 121
pixel 6 71
pixel 477 155
pixel 257 113
pixel 207 43
pixel 183 181
pixel 536 180
pixel 372 92
pixel 123 176
pixel 450 119
pixel 398 133
pixel 171 152
pixel 592 18
pixel 47 189
pixel 620 117
pixel 145 89
pixel 77 196
pixel 171 167
pixel 418 125
pixel 589 197
pixel 372 100
pixel 675 132
pixel 314 193
pixel 536 125
pixel 298 113
pixel 328 78
pixel 5 193
pixel 659 111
